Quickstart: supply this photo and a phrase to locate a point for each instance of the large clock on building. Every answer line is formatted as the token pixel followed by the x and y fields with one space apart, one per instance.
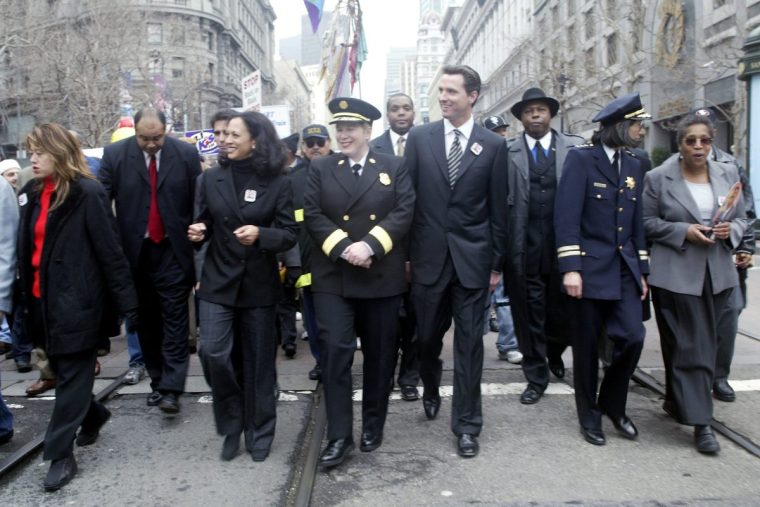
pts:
pixel 670 33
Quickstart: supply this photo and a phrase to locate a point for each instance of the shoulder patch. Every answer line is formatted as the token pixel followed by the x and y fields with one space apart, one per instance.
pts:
pixel 631 153
pixel 585 146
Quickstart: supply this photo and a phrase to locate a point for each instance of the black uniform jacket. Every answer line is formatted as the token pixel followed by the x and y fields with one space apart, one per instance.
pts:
pixel 340 210
pixel 124 175
pixel 235 274
pixel 598 220
pixel 85 281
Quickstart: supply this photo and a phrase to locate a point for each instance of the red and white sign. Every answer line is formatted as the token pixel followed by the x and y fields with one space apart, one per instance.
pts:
pixel 251 87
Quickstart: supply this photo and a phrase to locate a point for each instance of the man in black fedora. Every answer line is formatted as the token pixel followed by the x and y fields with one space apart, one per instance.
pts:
pixel 533 280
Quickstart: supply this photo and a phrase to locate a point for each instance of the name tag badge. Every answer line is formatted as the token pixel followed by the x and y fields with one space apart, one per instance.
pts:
pixel 476 148
pixel 250 196
pixel 599 185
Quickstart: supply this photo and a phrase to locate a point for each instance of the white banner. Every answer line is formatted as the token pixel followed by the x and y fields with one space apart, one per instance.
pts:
pixel 280 117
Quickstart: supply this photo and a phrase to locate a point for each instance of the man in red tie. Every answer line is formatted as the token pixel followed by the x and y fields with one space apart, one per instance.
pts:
pixel 151 178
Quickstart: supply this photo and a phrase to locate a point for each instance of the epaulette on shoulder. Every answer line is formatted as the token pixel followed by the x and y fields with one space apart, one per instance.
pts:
pixel 631 153
pixel 584 146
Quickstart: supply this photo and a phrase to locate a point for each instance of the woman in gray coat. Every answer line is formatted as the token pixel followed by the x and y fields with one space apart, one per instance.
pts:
pixel 692 273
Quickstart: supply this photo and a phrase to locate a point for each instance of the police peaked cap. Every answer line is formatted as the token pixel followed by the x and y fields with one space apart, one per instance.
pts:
pixel 352 110
pixel 627 107
pixel 494 122
pixel 535 95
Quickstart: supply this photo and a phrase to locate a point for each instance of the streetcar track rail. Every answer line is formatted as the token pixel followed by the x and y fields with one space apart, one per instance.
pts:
pixel 749 335
pixel 26 451
pixel 305 473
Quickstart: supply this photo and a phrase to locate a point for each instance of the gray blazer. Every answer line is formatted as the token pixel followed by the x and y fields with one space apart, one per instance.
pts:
pixel 8 231
pixel 669 209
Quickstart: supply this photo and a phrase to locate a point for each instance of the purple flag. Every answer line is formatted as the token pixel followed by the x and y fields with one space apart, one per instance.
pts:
pixel 314 8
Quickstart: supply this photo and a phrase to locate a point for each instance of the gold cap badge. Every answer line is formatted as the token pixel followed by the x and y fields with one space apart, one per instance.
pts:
pixel 343 104
pixel 384 179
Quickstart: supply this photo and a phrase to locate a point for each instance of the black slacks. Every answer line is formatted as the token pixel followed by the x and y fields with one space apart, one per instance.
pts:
pixel 74 404
pixel 409 363
pixel 340 321
pixel 689 327
pixel 622 320
pixel 163 289
pixel 434 307
pixel 248 405
pixel 286 316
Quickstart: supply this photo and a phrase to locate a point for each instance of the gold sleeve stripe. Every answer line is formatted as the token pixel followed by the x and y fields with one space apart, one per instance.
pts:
pixel 568 254
pixel 333 239
pixel 568 248
pixel 299 215
pixel 644 252
pixel 383 237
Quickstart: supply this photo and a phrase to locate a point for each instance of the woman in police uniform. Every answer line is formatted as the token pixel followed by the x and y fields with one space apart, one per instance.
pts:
pixel 602 254
pixel 358 207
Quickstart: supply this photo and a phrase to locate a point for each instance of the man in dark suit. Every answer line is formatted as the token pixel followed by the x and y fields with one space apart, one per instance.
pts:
pixel 151 178
pixel 457 244
pixel 400 113
pixel 358 206
pixel 602 255
pixel 533 280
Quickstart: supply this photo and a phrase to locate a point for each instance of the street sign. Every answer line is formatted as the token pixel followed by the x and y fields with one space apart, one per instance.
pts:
pixel 205 142
pixel 251 87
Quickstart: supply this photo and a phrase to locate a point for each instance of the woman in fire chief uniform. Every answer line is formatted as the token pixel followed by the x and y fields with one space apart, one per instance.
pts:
pixel 358 208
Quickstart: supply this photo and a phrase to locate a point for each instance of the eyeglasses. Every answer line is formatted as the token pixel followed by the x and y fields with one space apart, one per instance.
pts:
pixel 318 141
pixel 704 141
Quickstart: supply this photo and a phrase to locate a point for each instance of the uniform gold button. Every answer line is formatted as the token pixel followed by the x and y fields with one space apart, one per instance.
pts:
pixel 583 254
pixel 345 218
pixel 620 228
pixel 372 216
pixel 620 247
pixel 633 199
pixel 598 196
pixel 621 190
pixel 620 210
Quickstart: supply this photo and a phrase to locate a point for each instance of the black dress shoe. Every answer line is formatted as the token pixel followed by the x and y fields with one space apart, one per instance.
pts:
pixel 23 366
pixel 6 437
pixel 593 436
pixel 624 426
pixel 60 473
pixel 88 436
pixel 259 454
pixel 432 406
pixel 336 451
pixel 467 445
pixel 530 396
pixel 723 391
pixel 316 373
pixel 409 393
pixel 169 404
pixel 370 442
pixel 154 399
pixel 231 446
pixel 290 350
pixel 557 367
pixel 705 440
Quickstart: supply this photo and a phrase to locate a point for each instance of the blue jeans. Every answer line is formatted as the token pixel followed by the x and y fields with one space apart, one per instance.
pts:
pixel 133 347
pixel 310 322
pixel 507 339
pixel 22 345
pixel 5 331
pixel 6 418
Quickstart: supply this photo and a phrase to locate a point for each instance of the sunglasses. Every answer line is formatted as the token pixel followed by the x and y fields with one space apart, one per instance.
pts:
pixel 704 141
pixel 319 142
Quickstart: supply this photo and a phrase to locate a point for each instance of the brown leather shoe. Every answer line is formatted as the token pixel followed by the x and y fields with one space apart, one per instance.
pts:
pixel 40 387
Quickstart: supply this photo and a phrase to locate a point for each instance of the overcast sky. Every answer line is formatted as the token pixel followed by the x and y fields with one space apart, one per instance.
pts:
pixel 387 23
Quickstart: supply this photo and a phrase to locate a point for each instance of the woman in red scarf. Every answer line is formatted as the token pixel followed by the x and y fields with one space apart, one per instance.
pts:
pixel 71 265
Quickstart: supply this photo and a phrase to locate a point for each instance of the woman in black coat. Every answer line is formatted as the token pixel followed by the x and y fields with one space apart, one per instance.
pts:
pixel 246 214
pixel 70 263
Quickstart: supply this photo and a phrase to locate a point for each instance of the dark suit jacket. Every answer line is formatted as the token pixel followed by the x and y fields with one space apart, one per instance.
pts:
pixel 383 144
pixel 598 220
pixel 235 274
pixel 340 210
pixel 468 222
pixel 124 175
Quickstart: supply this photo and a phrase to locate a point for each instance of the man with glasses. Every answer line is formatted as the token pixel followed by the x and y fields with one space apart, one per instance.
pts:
pixel 315 144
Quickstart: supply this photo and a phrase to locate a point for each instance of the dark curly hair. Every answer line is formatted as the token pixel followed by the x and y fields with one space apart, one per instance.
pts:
pixel 269 157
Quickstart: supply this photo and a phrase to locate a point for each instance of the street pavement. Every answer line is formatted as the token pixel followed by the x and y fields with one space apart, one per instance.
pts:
pixel 530 455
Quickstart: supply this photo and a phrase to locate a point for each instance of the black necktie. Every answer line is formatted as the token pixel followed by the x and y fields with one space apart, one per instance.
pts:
pixel 356 168
pixel 455 158
pixel 616 162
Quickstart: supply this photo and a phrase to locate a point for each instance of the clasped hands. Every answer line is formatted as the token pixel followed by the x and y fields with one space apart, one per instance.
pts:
pixel 246 234
pixel 358 254
pixel 700 234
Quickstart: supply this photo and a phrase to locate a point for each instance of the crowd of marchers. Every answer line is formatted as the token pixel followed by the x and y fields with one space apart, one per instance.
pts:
pixel 381 244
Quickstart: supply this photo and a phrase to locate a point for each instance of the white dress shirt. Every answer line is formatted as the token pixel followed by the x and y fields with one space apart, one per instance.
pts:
pixel 465 131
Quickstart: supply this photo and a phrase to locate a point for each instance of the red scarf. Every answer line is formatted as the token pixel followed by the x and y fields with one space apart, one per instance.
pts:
pixel 39 233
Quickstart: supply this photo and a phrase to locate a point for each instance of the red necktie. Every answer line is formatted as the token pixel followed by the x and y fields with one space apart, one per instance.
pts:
pixel 155 226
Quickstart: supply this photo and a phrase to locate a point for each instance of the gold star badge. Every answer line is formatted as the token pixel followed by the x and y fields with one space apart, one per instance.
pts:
pixel 630 182
pixel 343 104
pixel 385 179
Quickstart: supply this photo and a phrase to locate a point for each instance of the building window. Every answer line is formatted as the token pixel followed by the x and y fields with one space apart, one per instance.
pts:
pixel 155 33
pixel 589 63
pixel 155 67
pixel 571 39
pixel 555 16
pixel 211 73
pixel 611 7
pixel 210 37
pixel 590 24
pixel 178 67
pixel 570 7
pixel 612 49
pixel 719 3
